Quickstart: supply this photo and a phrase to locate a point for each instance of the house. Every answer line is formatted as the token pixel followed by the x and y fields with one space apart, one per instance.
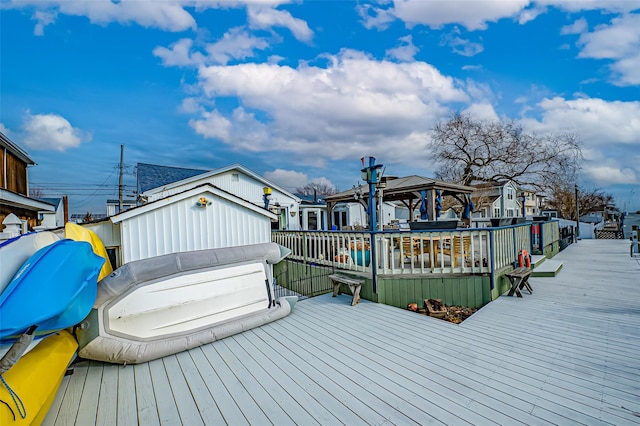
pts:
pixel 313 213
pixel 113 206
pixel 48 219
pixel 498 199
pixel 532 202
pixel 235 179
pixel 14 186
pixel 199 217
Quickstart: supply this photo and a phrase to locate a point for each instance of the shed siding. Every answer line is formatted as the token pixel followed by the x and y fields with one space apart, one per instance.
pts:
pixel 182 226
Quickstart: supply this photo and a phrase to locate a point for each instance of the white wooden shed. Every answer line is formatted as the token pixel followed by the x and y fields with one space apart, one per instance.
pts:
pixel 201 217
pixel 244 183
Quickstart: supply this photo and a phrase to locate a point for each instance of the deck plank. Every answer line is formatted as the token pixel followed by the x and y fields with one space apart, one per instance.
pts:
pixel 567 354
pixel 225 402
pixel 127 404
pixel 206 405
pixel 88 408
pixel 145 399
pixel 69 407
pixel 52 414
pixel 165 401
pixel 269 403
pixel 240 394
pixel 185 401
pixel 108 402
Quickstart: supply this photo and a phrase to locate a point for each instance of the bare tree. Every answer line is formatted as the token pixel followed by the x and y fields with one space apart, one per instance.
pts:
pixel 468 150
pixel 320 188
pixel 563 200
pixel 36 192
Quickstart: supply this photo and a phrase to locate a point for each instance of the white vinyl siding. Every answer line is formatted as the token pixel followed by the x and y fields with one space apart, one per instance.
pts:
pixel 182 226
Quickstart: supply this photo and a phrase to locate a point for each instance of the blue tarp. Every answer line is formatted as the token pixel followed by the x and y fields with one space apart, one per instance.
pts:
pixel 424 210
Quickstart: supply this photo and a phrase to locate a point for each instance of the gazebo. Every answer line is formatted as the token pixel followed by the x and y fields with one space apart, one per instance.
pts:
pixel 412 191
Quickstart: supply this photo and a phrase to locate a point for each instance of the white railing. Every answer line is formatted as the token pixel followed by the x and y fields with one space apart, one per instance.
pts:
pixel 397 253
pixel 507 243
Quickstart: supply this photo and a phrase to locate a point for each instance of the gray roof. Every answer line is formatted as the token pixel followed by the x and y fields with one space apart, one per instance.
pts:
pixel 151 176
pixel 53 201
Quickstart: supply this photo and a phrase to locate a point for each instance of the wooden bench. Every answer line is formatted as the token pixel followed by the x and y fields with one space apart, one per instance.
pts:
pixel 519 279
pixel 353 283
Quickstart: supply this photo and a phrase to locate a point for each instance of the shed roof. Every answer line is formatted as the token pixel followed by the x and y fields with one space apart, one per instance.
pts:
pixel 151 176
pixel 127 214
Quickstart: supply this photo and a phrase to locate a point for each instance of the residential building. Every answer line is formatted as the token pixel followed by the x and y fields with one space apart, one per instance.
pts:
pixel 14 186
pixel 498 199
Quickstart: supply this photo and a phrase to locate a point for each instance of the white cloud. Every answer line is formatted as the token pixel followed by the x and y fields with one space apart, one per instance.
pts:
pixel 164 14
pixel 530 14
pixel 178 54
pixel 353 107
pixel 610 175
pixel 474 15
pixel 290 179
pixel 405 52
pixel 482 111
pixel 374 17
pixel 43 18
pixel 461 46
pixel 598 122
pixel 236 43
pixel 620 42
pixel 265 18
pixel 578 27
pixel 167 15
pixel 213 125
pixel 610 132
pixel 4 129
pixel 51 131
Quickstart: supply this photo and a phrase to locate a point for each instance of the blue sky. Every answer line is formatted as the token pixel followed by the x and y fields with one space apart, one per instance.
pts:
pixel 300 91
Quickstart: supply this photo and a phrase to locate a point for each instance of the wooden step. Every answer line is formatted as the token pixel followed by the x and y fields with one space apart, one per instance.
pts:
pixel 550 268
pixel 537 260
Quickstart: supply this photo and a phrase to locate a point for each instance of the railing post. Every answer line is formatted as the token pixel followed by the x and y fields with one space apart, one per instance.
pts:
pixel 515 247
pixel 374 262
pixel 492 253
pixel 541 243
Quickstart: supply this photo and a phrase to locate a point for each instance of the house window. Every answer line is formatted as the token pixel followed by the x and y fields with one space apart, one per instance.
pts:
pixel 509 193
pixel 235 177
pixel 496 212
pixel 509 212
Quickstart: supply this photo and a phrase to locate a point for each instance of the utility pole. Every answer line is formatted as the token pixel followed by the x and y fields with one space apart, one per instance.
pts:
pixel 121 180
pixel 577 214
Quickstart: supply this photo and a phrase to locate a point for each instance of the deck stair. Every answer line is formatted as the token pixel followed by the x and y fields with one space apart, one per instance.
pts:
pixel 537 260
pixel 547 268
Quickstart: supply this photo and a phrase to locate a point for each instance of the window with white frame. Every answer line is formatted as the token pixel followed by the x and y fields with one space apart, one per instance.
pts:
pixel 509 193
pixel 496 212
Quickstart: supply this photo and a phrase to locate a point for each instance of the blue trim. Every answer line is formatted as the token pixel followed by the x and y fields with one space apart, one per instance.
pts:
pixel 515 249
pixel 493 265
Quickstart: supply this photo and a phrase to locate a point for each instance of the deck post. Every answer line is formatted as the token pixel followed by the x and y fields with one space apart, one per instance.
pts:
pixel 492 253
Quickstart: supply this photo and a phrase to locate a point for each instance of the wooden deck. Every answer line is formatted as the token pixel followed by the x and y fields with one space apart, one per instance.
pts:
pixel 567 354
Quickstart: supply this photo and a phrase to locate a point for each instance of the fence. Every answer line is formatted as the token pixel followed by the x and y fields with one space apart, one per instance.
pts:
pixel 461 251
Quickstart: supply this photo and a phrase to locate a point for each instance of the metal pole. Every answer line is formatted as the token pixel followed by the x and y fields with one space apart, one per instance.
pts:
pixel 121 180
pixel 577 214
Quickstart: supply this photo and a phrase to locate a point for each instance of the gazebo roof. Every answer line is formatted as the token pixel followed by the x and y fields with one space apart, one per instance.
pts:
pixel 403 188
